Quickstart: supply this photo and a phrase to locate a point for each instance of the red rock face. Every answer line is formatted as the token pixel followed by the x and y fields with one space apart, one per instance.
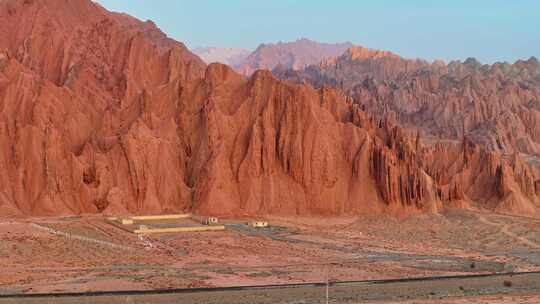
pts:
pixel 84 109
pixel 271 147
pixel 468 175
pixel 100 112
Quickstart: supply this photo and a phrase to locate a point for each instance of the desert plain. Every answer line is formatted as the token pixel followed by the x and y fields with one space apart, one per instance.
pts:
pixel 88 254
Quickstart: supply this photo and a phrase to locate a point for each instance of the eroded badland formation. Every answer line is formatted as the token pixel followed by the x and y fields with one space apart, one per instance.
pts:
pixel 100 112
pixel 495 106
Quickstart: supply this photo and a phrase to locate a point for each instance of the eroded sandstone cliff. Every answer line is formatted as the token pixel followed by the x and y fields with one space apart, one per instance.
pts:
pixel 100 112
pixel 495 106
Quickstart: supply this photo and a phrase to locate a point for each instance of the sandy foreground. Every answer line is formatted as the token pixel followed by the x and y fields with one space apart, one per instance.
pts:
pixel 101 257
pixel 533 299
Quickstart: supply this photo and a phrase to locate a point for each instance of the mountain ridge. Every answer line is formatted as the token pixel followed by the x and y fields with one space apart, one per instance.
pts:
pixel 294 55
pixel 416 92
pixel 106 114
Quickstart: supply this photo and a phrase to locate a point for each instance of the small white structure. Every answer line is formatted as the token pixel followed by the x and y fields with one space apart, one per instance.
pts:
pixel 258 224
pixel 143 227
pixel 210 221
pixel 127 222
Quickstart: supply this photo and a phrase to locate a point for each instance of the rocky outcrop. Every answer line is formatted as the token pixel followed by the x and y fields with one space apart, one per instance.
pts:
pixel 472 176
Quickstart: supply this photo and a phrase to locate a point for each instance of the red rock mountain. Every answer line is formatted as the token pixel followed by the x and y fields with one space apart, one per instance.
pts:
pixel 496 106
pixel 100 112
pixel 290 55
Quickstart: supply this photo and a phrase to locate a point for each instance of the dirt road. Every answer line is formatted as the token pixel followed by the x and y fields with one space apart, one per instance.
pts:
pixel 518 285
pixel 505 229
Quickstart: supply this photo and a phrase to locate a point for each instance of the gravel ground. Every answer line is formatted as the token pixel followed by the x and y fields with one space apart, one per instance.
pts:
pixel 293 250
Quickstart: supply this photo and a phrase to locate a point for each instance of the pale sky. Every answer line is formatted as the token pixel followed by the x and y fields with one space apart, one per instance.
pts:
pixel 490 30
